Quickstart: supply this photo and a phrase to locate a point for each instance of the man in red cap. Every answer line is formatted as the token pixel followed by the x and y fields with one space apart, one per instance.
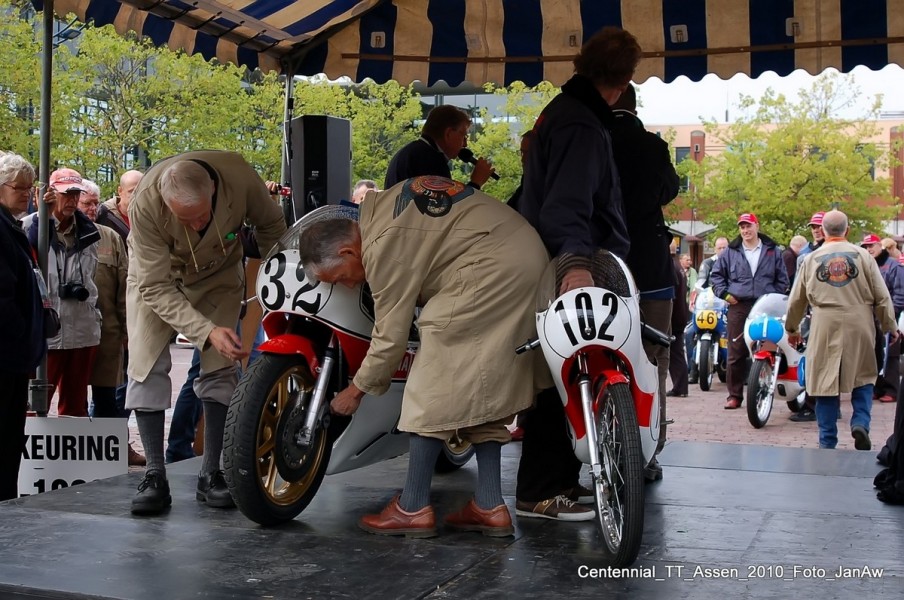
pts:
pixel 888 357
pixel 71 265
pixel 750 267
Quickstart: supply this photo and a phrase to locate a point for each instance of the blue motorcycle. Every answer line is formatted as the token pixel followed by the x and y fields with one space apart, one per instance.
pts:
pixel 710 326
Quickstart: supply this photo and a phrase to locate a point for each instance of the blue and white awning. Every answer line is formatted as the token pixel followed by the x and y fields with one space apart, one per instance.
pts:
pixel 502 41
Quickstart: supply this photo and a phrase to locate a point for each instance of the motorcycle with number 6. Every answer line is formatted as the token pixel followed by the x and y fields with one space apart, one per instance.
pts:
pixel 591 340
pixel 280 437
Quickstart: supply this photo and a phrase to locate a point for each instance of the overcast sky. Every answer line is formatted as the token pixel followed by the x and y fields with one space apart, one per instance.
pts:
pixel 685 102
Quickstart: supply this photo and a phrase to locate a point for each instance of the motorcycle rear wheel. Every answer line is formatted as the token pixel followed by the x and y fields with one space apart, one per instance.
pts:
pixel 620 492
pixel 759 393
pixel 271 478
pixel 705 361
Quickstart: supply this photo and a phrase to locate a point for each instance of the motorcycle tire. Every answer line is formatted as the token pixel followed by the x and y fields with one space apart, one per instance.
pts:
pixel 456 453
pixel 620 512
pixel 759 396
pixel 705 368
pixel 271 479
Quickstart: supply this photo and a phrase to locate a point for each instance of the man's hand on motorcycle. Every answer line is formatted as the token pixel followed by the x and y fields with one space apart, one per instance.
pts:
pixel 227 343
pixel 794 339
pixel 347 401
pixel 894 336
pixel 575 278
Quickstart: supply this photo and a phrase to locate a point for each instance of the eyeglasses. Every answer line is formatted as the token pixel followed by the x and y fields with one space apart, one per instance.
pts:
pixel 23 189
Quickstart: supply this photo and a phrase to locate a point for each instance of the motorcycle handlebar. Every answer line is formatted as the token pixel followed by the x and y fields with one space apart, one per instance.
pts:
pixel 655 336
pixel 530 345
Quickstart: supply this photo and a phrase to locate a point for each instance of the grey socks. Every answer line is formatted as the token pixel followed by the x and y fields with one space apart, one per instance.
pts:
pixel 214 425
pixel 489 475
pixel 150 428
pixel 422 455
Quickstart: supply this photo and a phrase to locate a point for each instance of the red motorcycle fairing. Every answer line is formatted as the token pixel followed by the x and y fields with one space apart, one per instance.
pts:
pixel 601 362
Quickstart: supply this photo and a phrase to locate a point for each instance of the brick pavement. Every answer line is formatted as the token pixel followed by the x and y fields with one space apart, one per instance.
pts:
pixel 698 418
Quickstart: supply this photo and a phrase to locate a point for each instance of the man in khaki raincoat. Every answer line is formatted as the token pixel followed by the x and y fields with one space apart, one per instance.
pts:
pixel 186 275
pixel 473 265
pixel 843 285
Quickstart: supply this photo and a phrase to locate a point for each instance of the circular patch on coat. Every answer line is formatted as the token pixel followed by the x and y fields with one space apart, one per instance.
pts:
pixel 837 269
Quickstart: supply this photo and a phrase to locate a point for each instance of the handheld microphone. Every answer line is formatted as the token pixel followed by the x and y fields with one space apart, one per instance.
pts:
pixel 467 156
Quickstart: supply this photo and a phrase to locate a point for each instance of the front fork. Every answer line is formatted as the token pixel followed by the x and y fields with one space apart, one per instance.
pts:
pixel 584 384
pixel 776 366
pixel 318 399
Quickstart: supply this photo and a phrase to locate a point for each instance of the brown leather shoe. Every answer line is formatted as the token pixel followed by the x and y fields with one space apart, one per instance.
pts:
pixel 135 459
pixel 392 520
pixel 495 522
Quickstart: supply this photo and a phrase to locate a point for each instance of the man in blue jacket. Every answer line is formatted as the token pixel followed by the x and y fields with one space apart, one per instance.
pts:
pixel 750 267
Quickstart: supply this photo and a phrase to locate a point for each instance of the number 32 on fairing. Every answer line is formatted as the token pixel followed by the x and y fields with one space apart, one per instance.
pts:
pixel 282 285
pixel 586 317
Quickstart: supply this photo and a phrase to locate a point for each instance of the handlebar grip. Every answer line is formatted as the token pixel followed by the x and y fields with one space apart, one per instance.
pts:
pixel 655 336
pixel 530 345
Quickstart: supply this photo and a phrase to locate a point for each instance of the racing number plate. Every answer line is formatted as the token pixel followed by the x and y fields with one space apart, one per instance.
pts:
pixel 706 319
pixel 586 317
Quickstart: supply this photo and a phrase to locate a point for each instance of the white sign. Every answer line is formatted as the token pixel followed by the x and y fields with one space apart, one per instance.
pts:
pixel 65 451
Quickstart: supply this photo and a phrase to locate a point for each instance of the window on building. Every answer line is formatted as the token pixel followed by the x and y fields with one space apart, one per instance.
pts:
pixel 681 153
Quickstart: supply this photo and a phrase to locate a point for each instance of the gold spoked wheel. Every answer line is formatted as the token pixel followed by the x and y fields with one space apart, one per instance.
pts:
pixel 271 475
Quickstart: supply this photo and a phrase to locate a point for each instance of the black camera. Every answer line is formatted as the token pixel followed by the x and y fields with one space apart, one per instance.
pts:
pixel 73 290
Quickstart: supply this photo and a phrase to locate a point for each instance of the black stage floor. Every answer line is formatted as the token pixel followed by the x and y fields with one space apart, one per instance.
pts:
pixel 781 521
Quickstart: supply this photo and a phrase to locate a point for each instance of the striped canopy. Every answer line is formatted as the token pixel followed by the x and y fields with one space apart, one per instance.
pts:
pixel 502 41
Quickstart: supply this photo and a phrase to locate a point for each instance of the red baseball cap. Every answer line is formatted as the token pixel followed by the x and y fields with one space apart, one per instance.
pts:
pixel 748 218
pixel 66 180
pixel 816 219
pixel 870 238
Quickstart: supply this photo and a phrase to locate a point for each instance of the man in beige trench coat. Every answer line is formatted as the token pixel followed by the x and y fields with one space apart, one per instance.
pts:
pixel 186 275
pixel 473 264
pixel 843 285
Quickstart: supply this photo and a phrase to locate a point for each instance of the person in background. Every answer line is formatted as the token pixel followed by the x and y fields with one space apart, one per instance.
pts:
pixel 362 187
pixel 888 355
pixel 842 285
pixel 110 279
pixel 443 136
pixel 678 371
pixel 790 254
pixel 750 267
pixel 71 265
pixel 114 213
pixel 22 341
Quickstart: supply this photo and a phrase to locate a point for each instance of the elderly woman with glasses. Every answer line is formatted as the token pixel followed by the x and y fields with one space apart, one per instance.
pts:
pixel 22 343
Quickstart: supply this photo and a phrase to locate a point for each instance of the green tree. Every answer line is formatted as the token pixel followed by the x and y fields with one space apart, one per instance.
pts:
pixel 499 138
pixel 789 159
pixel 20 89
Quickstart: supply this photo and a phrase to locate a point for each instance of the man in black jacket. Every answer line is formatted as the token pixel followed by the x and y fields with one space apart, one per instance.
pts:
pixel 443 136
pixel 648 182
pixel 573 198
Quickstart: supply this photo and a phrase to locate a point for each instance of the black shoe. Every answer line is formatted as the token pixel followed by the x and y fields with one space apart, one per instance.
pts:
pixel 653 471
pixel 676 394
pixel 212 490
pixel 861 438
pixel 693 377
pixel 805 414
pixel 153 495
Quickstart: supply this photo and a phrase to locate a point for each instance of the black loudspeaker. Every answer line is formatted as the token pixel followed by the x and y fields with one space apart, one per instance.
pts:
pixel 320 161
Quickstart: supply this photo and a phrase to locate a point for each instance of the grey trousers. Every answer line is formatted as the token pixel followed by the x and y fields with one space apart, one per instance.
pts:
pixel 155 392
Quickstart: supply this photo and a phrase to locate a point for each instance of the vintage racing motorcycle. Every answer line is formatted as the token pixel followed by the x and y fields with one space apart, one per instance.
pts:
pixel 280 437
pixel 591 340
pixel 710 324
pixel 774 370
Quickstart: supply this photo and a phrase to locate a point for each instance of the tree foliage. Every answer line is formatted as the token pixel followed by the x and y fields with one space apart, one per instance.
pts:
pixel 789 159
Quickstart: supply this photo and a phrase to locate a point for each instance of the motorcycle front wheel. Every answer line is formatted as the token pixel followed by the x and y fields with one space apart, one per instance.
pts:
pixel 759 393
pixel 620 492
pixel 705 361
pixel 456 453
pixel 270 476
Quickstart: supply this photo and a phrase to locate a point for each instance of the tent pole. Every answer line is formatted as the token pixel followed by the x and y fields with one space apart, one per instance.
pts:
pixel 285 176
pixel 39 388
